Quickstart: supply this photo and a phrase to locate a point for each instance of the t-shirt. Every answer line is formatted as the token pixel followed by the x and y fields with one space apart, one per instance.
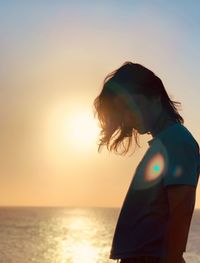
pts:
pixel 172 158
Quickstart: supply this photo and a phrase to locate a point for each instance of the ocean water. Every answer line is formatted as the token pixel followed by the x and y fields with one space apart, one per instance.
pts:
pixel 68 235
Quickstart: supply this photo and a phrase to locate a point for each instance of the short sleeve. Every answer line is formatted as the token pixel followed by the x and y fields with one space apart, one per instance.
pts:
pixel 181 163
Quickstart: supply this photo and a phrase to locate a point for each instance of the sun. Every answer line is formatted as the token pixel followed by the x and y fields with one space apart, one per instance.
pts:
pixel 82 128
pixel 69 129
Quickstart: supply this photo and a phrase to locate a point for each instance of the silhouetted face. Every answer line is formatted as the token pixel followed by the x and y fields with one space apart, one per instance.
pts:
pixel 138 111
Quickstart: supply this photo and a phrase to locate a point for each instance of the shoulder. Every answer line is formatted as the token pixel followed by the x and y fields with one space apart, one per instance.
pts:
pixel 181 156
pixel 179 136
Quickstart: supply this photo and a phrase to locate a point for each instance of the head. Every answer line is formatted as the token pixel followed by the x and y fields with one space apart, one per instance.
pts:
pixel 131 100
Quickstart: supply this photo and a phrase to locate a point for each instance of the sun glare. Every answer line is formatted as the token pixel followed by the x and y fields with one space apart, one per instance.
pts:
pixel 69 129
pixel 83 129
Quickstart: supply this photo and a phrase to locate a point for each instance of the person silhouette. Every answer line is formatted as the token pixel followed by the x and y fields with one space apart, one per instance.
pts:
pixel 154 220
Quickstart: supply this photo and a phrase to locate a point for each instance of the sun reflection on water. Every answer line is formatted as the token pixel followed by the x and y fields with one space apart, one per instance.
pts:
pixel 80 243
pixel 84 252
pixel 78 251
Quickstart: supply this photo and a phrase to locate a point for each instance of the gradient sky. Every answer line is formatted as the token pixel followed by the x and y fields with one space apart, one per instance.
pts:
pixel 54 56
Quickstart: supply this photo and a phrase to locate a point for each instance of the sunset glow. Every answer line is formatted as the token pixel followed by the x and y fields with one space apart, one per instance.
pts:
pixel 54 58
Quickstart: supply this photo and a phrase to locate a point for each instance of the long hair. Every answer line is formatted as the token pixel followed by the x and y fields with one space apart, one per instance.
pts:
pixel 130 78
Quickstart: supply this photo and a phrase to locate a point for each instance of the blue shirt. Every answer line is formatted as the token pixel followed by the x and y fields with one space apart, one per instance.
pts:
pixel 173 158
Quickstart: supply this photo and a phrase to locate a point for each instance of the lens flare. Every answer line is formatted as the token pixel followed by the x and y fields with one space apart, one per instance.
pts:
pixel 177 171
pixel 155 167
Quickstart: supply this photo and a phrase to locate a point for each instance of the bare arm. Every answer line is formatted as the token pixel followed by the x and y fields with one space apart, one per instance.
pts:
pixel 181 199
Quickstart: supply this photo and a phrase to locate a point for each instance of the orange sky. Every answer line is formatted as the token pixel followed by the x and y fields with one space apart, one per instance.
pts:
pixel 54 58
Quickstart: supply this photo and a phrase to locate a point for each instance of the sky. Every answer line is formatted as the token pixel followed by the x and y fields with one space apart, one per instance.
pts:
pixel 54 56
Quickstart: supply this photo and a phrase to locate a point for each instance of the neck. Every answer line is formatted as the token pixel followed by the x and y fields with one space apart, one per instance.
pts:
pixel 162 122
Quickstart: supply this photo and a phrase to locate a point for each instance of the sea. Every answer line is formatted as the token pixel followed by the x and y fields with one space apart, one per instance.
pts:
pixel 68 235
